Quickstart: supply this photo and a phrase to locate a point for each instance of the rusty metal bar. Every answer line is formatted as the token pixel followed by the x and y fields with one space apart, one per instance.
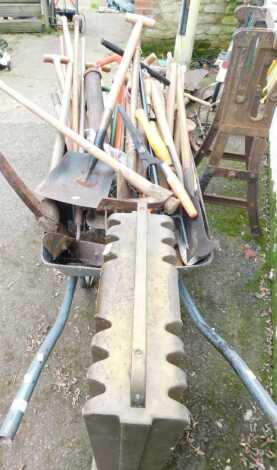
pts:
pixel 20 187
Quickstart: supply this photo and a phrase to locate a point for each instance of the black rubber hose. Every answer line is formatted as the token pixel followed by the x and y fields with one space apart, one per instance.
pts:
pixel 248 378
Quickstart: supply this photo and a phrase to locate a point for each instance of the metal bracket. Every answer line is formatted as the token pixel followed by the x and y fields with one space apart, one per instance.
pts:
pixel 138 364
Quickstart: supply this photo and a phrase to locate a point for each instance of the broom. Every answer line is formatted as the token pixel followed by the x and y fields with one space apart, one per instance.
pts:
pixel 180 43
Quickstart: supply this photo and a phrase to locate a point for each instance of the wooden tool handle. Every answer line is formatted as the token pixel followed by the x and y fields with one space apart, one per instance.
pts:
pixel 182 118
pixel 153 137
pixel 161 151
pixel 58 149
pixel 145 20
pixel 159 108
pixel 122 70
pixel 109 59
pixel 150 59
pixel 179 191
pixel 76 80
pixel 198 100
pixel 171 96
pixel 186 153
pixel 67 38
pixel 49 58
pixel 134 178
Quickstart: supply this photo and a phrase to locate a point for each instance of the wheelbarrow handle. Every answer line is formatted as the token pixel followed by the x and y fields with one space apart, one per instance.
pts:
pixel 247 377
pixel 20 188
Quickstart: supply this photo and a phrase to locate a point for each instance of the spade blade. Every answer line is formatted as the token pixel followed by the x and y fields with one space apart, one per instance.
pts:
pixel 68 181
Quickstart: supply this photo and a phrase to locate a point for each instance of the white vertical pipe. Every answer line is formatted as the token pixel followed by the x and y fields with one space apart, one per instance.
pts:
pixel 194 8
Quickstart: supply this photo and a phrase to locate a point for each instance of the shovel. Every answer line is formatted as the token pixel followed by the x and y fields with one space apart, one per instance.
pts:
pixel 199 242
pixel 68 181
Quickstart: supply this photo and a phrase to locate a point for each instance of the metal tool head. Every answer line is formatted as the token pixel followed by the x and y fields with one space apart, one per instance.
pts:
pixel 138 140
pixel 73 258
pixel 69 181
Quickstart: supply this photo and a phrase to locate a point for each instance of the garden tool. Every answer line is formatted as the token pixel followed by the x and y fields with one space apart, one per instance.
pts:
pixel 117 50
pixel 153 136
pixel 76 80
pixel 151 59
pixel 171 96
pixel 173 182
pixel 199 242
pixel 58 61
pixel 183 238
pixel 65 183
pixel 135 179
pixel 66 85
pixel 139 22
pixel 153 173
pixel 160 112
pixel 45 212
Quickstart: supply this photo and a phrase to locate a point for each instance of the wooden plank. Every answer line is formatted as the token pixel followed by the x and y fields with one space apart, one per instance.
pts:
pixel 21 26
pixel 22 10
pixel 20 1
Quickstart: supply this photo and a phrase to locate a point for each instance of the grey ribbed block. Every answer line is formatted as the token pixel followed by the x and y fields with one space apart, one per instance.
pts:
pixel 125 437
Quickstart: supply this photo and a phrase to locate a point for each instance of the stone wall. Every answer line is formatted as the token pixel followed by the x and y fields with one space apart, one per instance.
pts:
pixel 215 26
pixel 216 22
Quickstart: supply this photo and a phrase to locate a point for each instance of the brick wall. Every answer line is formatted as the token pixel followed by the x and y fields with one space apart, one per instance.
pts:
pixel 216 22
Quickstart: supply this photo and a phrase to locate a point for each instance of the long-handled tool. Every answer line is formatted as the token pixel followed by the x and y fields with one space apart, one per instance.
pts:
pixel 117 50
pixel 59 144
pixel 135 179
pixel 200 245
pixel 139 22
pixel 58 61
pixel 160 112
pixel 147 158
pixel 153 136
pixel 171 96
pixel 153 173
pixel 123 189
pixel 45 212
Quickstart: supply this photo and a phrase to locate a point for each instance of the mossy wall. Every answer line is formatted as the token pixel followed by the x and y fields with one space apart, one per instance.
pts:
pixel 215 26
pixel 216 22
